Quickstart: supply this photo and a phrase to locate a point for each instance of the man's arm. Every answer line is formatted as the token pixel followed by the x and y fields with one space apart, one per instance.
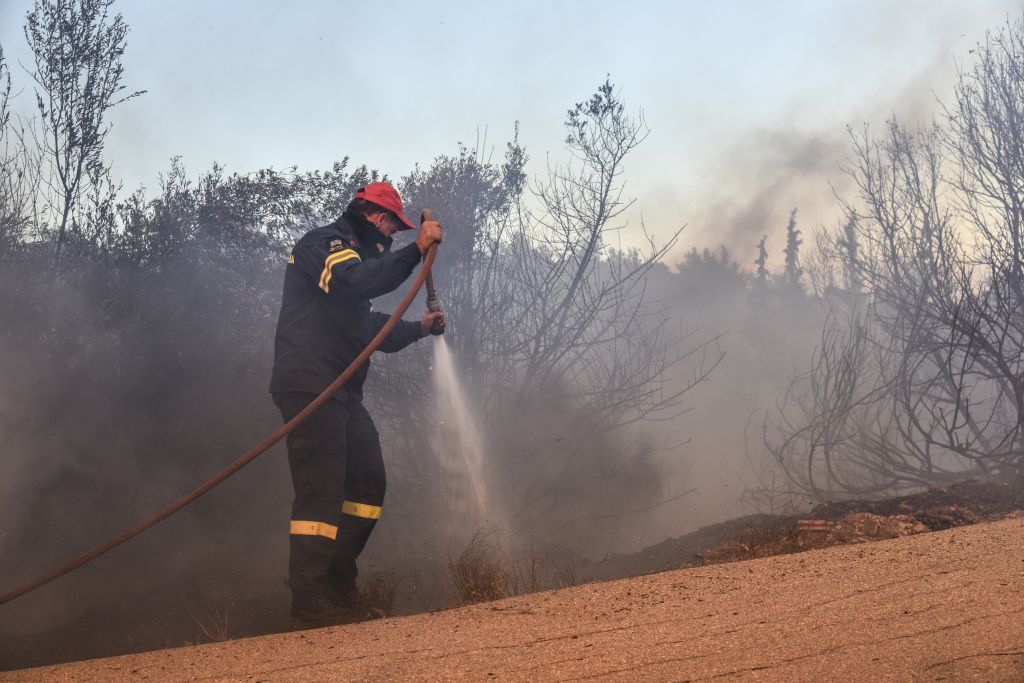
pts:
pixel 344 273
pixel 406 331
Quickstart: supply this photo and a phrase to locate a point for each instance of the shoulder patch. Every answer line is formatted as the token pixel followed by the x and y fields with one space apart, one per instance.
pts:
pixel 335 245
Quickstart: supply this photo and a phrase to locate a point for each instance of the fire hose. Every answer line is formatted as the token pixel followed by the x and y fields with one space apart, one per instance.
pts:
pixel 432 304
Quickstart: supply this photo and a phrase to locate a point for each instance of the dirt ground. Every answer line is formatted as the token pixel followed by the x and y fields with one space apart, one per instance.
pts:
pixel 837 523
pixel 944 606
pixel 175 615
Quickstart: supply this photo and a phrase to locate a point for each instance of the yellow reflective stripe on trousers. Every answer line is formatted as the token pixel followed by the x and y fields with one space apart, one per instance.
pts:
pixel 300 528
pixel 333 260
pixel 361 510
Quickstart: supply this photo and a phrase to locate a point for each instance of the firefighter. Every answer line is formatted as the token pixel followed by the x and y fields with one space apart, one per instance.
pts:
pixel 326 320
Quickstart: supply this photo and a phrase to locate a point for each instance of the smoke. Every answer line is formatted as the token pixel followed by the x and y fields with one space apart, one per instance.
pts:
pixel 746 188
pixel 735 184
pixel 759 180
pixel 107 416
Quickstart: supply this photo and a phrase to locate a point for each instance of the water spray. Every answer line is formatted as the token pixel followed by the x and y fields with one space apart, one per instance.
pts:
pixel 458 443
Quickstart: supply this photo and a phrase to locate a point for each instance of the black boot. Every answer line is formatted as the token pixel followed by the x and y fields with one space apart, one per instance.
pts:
pixel 316 610
pixel 341 577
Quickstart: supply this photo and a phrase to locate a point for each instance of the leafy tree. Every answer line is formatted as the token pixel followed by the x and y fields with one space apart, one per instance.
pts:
pixel 14 176
pixel 77 48
pixel 762 262
pixel 476 199
pixel 793 272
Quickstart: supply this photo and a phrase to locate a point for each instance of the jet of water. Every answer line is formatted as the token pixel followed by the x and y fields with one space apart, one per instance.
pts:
pixel 459 444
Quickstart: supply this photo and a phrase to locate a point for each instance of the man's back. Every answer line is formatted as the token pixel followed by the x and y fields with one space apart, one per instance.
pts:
pixel 326 317
pixel 318 334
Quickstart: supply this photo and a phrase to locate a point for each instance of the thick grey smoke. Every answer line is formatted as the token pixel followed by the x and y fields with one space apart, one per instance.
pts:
pixel 105 419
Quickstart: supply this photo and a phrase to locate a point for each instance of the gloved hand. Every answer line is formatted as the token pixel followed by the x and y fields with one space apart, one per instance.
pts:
pixel 432 323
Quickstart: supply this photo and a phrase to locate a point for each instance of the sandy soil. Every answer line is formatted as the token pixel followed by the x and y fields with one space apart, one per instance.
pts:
pixel 943 606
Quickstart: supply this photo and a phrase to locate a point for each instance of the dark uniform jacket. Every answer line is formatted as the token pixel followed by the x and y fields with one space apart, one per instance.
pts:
pixel 326 317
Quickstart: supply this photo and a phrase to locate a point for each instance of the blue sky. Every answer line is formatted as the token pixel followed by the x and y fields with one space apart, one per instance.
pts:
pixel 747 101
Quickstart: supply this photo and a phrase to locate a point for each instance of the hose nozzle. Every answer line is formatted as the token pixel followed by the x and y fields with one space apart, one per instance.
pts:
pixel 433 303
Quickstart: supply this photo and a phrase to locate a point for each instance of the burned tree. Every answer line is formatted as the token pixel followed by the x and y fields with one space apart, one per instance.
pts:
pixel 985 138
pixel 932 253
pixel 549 320
pixel 577 294
pixel 582 331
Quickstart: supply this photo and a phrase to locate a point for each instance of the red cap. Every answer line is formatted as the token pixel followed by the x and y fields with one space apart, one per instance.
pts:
pixel 386 197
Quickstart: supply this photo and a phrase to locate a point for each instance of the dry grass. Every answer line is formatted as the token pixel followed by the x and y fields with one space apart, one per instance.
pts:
pixel 478 573
pixel 531 575
pixel 810 534
pixel 213 623
pixel 376 596
pixel 484 571
pixel 526 576
pixel 773 498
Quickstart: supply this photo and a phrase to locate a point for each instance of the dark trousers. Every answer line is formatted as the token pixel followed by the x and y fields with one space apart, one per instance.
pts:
pixel 339 480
